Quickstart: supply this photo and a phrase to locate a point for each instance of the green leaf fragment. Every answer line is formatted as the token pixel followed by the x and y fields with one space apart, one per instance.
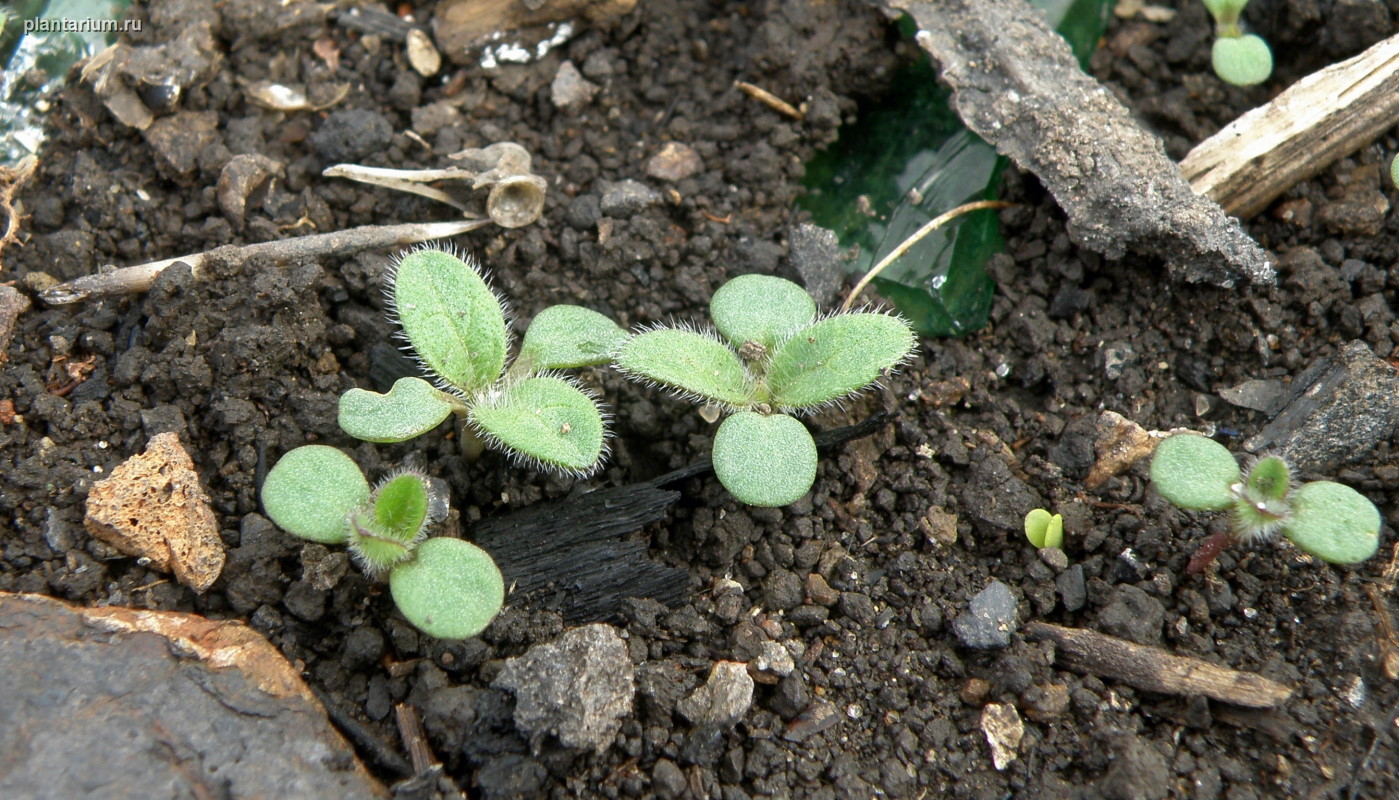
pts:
pixel 689 362
pixel 837 356
pixel 454 322
pixel 760 308
pixel 312 491
pixel 1242 60
pixel 1394 171
pixel 1195 472
pixel 451 589
pixel 565 337
pixel 1333 522
pixel 411 408
pixel 764 460
pixel 544 419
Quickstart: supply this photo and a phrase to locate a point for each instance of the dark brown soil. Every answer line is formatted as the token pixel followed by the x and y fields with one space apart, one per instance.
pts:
pixel 249 363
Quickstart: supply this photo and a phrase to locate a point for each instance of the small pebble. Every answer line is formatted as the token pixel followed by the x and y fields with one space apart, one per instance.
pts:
pixel 991 619
pixel 674 162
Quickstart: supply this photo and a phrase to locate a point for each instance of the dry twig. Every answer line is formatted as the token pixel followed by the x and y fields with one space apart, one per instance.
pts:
pixel 1155 670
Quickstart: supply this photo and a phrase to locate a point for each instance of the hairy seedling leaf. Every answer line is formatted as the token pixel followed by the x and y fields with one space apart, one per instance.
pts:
pixel 564 337
pixel 1333 522
pixel 1195 472
pixel 546 420
pixel 838 356
pixel 760 308
pixel 312 491
pixel 451 589
pixel 411 408
pixel 454 322
pixel 400 506
pixel 1269 479
pixel 688 362
pixel 764 460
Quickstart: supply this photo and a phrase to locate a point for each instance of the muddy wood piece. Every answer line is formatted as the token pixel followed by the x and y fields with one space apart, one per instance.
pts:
pixel 1322 118
pixel 1155 670
pixel 1016 84
pixel 1339 410
pixel 137 279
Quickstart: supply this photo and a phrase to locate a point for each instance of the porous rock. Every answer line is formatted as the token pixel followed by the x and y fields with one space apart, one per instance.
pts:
pixel 153 507
pixel 576 688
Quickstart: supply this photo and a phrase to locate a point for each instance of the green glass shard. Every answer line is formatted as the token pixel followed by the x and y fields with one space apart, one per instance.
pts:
pixel 908 159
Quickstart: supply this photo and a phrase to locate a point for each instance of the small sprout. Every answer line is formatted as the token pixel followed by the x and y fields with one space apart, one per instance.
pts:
pixel 456 326
pixel 448 588
pixel 771 358
pixel 1044 529
pixel 1242 59
pixel 1332 522
pixel 1394 171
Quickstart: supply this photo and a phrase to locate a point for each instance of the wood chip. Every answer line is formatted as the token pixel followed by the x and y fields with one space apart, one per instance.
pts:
pixel 153 507
pixel 1155 670
pixel 1322 118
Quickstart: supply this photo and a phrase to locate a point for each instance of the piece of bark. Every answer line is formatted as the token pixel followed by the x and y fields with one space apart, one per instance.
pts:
pixel 1339 410
pixel 1016 83
pixel 116 702
pixel 1155 670
pixel 1324 117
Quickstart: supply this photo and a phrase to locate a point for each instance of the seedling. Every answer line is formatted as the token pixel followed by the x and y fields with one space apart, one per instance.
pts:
pixel 772 357
pixel 1332 522
pixel 456 326
pixel 1394 172
pixel 1242 59
pixel 446 587
pixel 1044 529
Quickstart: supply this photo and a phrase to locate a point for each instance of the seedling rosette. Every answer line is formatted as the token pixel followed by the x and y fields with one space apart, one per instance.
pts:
pixel 456 327
pixel 771 357
pixel 1329 520
pixel 445 587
